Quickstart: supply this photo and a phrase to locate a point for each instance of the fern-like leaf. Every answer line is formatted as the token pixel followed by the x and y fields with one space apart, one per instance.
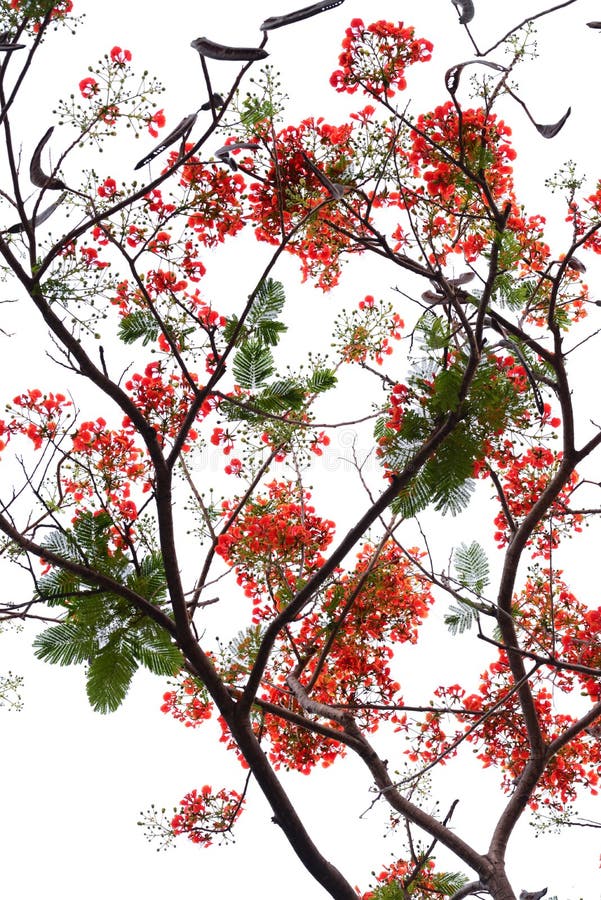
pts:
pixel 471 566
pixel 138 324
pixel 110 674
pixel 460 618
pixel 253 365
pixel 321 380
pixel 157 652
pixel 280 397
pixel 65 644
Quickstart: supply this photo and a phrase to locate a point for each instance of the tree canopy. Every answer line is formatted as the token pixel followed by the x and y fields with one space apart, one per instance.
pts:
pixel 174 492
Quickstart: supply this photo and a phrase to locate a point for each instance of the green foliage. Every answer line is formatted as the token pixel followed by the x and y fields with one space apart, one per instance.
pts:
pixel 492 405
pixel 321 380
pixel 253 362
pixel 443 884
pixel 263 105
pixel 139 324
pixel 280 397
pixel 472 572
pixel 101 628
pixel 253 365
pixel 471 566
pixel 449 882
pixel 262 321
pixel 460 618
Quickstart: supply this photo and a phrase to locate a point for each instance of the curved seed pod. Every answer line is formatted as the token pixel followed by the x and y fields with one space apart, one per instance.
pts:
pixel 549 131
pixel 453 75
pixel 217 102
pixel 181 131
pixel 238 145
pixel 223 154
pixel 532 895
pixel 230 54
pixel 7 44
pixel 594 24
pixel 41 217
pixel 437 297
pixel 336 190
pixel 36 173
pixel 464 278
pixel 298 15
pixel 466 10
pixel 574 263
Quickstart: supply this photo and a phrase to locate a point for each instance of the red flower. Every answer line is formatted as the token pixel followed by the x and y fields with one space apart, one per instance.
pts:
pixel 108 188
pixel 120 57
pixel 88 87
pixel 156 121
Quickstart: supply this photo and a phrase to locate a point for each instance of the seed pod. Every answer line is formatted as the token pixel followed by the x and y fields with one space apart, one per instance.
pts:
pixel 37 174
pixel 466 10
pixel 230 54
pixel 41 217
pixel 298 15
pixel 181 131
pixel 217 102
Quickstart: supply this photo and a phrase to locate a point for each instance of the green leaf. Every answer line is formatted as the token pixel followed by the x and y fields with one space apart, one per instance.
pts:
pixel 157 652
pixel 150 582
pixel 460 618
pixel 254 110
pixel 110 674
pixel 412 499
pixel 268 303
pixel 471 566
pixel 269 332
pixel 321 380
pixel 280 397
pixel 253 365
pixel 454 497
pixel 139 324
pixel 65 644
pixel 230 327
pixel 435 331
pixel 449 883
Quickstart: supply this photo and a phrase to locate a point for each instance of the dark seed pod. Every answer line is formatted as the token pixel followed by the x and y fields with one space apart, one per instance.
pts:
pixel 230 54
pixel 37 174
pixel 40 218
pixel 217 102
pixel 466 10
pixel 298 15
pixel 181 131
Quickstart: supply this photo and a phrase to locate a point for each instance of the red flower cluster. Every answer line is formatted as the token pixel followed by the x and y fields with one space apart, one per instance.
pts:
pixel 188 703
pixel 207 815
pixel 215 196
pixel 286 195
pixel 526 477
pixel 38 417
pixel 120 57
pixel 274 545
pixel 89 87
pixel 376 56
pixel 400 875
pixel 367 333
pixel 443 143
pixel 164 399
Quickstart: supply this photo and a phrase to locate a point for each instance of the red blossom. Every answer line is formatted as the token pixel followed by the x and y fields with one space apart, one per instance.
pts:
pixel 89 87
pixel 120 57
